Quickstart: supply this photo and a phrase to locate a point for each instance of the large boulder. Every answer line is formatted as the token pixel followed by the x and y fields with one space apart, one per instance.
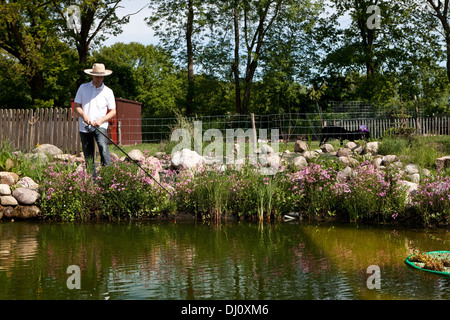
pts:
pixel 442 163
pixel 26 212
pixel 5 190
pixel 25 196
pixel 344 152
pixel 7 201
pixel 388 159
pixel 186 159
pixel 300 162
pixel 136 155
pixel 48 149
pixel 27 182
pixel 300 146
pixel 411 188
pixel 327 148
pixel 372 147
pixel 9 178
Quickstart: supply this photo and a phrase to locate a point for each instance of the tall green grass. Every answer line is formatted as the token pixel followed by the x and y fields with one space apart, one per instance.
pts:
pixel 421 151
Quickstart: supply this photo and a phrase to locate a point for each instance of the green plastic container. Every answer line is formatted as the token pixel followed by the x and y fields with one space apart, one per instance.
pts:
pixel 434 253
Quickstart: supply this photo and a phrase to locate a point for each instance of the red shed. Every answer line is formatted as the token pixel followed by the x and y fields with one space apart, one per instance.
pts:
pixel 126 127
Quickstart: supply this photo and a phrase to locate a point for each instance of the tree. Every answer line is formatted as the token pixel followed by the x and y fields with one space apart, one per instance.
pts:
pixel 98 18
pixel 440 12
pixel 255 31
pixel 146 74
pixel 383 55
pixel 179 24
pixel 26 31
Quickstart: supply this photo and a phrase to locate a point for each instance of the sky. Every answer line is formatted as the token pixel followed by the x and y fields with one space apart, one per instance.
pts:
pixel 136 30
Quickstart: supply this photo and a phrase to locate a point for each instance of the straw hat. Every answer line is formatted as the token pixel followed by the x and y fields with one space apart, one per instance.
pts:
pixel 98 69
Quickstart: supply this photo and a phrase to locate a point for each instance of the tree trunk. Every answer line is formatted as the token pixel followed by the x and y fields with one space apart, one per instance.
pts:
pixel 248 85
pixel 190 58
pixel 235 66
pixel 36 85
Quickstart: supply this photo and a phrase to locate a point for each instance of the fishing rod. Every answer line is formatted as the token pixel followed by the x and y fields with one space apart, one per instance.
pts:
pixel 89 129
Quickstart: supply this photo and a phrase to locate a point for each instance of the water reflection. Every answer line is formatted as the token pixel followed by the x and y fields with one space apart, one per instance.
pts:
pixel 210 261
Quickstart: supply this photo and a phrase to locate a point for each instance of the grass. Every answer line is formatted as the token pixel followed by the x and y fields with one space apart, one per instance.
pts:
pixel 316 190
pixel 421 151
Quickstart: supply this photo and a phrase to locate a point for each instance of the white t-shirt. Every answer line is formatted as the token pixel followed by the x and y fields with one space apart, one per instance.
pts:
pixel 95 103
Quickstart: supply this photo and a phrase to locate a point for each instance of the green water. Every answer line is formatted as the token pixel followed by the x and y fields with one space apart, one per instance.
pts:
pixel 167 260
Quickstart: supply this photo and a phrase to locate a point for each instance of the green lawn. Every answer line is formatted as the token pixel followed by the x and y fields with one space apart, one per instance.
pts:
pixel 422 151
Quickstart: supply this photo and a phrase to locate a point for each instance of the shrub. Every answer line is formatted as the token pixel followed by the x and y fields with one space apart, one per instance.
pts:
pixel 432 199
pixel 67 194
pixel 374 193
pixel 395 146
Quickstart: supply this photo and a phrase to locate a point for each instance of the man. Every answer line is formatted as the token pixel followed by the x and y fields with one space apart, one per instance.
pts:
pixel 95 105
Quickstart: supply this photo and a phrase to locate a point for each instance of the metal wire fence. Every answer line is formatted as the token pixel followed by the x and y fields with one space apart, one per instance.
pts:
pixel 292 126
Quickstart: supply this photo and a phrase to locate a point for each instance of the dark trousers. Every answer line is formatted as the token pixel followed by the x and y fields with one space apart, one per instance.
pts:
pixel 88 141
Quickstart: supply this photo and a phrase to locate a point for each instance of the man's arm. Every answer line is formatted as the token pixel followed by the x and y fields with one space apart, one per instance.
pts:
pixel 111 114
pixel 81 113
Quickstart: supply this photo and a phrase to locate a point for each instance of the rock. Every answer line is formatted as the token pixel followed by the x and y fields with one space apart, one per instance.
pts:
pixel 300 162
pixel 65 157
pixel 389 159
pixel 26 212
pixel 377 162
pixel 37 157
pixel 27 182
pixel 442 163
pixel 358 150
pixel 411 189
pixel 5 190
pixel 160 155
pixel 300 146
pixel 415 177
pixel 327 148
pixel 411 169
pixel 344 160
pixel 372 147
pixel 426 172
pixel 153 166
pixel 353 162
pixel 8 201
pixel 136 155
pixel 186 158
pixel 351 145
pixel 236 148
pixel 310 155
pixel 25 196
pixel 8 212
pixel 153 163
pixel 266 149
pixel 344 174
pixel 9 178
pixel 344 152
pixel 114 157
pixel 48 149
pixel 270 160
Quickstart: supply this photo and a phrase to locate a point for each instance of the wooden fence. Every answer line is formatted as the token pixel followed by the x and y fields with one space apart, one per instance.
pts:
pixel 424 126
pixel 25 129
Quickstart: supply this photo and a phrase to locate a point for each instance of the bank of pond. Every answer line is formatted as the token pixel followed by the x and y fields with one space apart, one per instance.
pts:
pixel 322 191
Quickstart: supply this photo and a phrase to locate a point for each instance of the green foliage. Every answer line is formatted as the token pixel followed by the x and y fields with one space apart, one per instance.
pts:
pixel 396 146
pixel 143 73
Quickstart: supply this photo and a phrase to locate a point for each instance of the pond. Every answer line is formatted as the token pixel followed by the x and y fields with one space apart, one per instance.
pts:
pixel 202 260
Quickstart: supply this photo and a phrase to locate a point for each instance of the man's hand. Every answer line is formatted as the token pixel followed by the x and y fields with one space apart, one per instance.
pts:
pixel 96 123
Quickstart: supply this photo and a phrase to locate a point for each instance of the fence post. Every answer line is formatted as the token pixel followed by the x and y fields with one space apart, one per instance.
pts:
pixel 252 117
